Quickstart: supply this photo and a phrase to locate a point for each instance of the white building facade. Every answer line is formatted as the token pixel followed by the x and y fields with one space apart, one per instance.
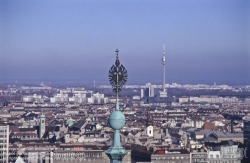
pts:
pixel 4 143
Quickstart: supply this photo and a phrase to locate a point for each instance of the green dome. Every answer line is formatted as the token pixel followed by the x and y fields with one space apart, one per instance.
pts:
pixel 116 120
pixel 69 122
pixel 42 116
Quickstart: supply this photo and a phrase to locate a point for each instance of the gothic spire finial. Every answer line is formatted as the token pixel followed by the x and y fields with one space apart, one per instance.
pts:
pixel 117 75
pixel 117 51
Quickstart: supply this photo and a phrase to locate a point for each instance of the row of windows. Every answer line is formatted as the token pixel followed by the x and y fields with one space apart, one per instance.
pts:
pixel 75 149
pixel 199 159
pixel 3 141
pixel 41 148
pixel 163 158
pixel 176 161
pixel 223 161
pixel 1 157
pixel 83 155
pixel 217 156
pixel 25 136
pixel 199 155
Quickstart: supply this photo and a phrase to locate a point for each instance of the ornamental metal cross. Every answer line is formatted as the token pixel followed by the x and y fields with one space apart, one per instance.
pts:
pixel 117 75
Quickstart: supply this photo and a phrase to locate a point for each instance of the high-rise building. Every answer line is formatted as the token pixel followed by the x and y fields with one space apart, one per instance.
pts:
pixel 4 143
pixel 152 92
pixel 163 93
pixel 246 131
pixel 142 93
pixel 246 146
pixel 149 91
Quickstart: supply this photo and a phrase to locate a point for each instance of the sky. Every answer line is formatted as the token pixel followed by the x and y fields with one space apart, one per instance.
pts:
pixel 206 41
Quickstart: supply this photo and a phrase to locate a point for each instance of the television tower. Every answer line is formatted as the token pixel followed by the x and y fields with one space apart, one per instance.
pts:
pixel 163 93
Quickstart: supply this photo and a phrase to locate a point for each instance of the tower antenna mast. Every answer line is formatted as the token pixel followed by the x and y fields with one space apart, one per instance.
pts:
pixel 163 93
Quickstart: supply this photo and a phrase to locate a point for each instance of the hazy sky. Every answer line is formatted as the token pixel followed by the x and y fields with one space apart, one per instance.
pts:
pixel 206 40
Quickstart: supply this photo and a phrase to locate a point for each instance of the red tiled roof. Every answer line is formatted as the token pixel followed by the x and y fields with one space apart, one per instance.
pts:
pixel 209 125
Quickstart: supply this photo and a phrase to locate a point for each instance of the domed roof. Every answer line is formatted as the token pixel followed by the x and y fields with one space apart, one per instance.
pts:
pixel 42 116
pixel 69 122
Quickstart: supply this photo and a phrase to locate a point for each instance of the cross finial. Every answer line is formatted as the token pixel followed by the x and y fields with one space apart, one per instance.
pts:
pixel 117 51
pixel 117 75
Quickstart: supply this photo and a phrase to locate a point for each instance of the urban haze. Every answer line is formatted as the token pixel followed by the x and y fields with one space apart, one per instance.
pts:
pixel 164 81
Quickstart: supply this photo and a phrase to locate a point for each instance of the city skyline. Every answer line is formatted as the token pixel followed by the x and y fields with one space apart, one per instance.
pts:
pixel 206 41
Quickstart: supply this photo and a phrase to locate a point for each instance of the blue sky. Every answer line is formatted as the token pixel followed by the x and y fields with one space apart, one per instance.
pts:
pixel 206 40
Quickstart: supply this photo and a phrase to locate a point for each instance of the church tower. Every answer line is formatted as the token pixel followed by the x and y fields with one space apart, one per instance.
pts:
pixel 41 126
pixel 149 125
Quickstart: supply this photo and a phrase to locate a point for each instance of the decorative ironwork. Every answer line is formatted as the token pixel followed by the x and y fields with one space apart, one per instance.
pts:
pixel 117 75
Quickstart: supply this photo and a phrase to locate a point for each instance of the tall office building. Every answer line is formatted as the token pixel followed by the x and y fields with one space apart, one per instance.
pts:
pixel 246 131
pixel 246 146
pixel 4 143
pixel 151 91
pixel 148 92
pixel 163 93
pixel 142 93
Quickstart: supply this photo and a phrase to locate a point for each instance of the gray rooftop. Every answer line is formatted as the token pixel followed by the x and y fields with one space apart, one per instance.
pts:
pixel 227 134
pixel 219 134
pixel 78 124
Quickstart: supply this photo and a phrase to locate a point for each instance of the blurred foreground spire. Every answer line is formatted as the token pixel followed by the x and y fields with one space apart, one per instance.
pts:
pixel 117 78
